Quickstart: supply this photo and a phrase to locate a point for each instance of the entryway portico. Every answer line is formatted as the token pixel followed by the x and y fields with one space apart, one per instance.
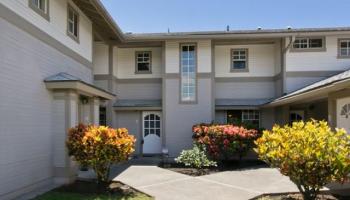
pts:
pixel 327 100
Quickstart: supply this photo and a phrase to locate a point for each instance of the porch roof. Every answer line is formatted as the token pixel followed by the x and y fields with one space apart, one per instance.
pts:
pixel 65 81
pixel 224 104
pixel 318 89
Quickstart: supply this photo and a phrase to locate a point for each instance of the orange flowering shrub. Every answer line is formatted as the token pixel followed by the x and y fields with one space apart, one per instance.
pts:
pixel 99 147
pixel 224 141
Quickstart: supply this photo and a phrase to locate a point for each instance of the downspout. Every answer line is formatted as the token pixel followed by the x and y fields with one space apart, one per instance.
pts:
pixel 283 61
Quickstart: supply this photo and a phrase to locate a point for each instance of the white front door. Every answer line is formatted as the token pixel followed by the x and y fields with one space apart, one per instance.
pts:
pixel 343 113
pixel 151 129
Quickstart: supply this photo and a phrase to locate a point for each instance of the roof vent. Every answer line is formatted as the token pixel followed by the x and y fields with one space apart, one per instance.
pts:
pixel 259 28
pixel 289 27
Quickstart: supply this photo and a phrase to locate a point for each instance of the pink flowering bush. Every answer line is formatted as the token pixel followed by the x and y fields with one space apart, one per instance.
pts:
pixel 224 142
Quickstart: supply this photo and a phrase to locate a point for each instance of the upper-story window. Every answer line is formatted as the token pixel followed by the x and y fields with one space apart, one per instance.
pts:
pixel 344 48
pixel 41 7
pixel 73 23
pixel 143 62
pixel 188 69
pixel 239 60
pixel 309 44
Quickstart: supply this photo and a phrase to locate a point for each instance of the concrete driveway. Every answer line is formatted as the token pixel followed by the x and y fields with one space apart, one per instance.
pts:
pixel 168 185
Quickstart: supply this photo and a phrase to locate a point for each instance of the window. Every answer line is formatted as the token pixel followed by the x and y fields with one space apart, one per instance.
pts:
pixel 247 117
pixel 301 44
pixel 296 115
pixel 239 60
pixel 103 116
pixel 73 23
pixel 41 7
pixel 188 65
pixel 344 48
pixel 251 117
pixel 143 62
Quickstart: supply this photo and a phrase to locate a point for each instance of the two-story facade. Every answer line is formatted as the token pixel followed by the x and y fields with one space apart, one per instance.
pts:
pixel 66 61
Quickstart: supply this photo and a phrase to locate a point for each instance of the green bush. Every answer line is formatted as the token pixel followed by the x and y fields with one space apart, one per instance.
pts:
pixel 310 153
pixel 195 157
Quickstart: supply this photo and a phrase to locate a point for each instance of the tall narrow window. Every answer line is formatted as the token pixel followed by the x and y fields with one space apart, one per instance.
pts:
pixel 188 68
pixel 143 62
pixel 239 60
pixel 344 48
pixel 41 7
pixel 73 23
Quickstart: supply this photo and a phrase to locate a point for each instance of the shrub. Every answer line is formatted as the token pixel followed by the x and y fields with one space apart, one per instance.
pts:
pixel 310 153
pixel 99 147
pixel 195 157
pixel 224 141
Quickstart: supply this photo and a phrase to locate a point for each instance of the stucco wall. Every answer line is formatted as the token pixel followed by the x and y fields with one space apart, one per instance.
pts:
pixel 26 117
pixel 244 90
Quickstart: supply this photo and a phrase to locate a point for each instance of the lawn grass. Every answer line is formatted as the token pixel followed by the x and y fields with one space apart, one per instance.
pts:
pixel 54 195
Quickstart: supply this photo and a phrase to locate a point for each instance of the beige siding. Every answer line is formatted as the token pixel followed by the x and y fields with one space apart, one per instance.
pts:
pixel 100 61
pixel 318 61
pixel 57 26
pixel 26 117
pixel 262 60
pixel 126 63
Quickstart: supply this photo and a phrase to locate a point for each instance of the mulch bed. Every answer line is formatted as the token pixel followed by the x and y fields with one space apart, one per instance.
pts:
pixel 223 166
pixel 298 196
pixel 90 187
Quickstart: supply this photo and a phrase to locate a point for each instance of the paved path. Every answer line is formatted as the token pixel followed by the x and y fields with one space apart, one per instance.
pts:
pixel 168 185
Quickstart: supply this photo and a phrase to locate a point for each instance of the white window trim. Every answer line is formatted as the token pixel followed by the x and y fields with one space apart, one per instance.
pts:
pixel 246 69
pixel 309 49
pixel 339 48
pixel 250 118
pixel 137 62
pixel 195 100
pixel 43 13
pixel 70 34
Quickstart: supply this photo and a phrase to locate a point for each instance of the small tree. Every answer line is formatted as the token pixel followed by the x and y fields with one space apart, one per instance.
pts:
pixel 99 147
pixel 310 153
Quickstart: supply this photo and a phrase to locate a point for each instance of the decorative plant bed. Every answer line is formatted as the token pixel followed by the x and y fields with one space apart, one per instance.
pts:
pixel 80 190
pixel 298 196
pixel 223 166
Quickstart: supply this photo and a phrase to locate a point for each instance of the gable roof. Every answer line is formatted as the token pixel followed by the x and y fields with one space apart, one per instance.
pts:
pixel 332 81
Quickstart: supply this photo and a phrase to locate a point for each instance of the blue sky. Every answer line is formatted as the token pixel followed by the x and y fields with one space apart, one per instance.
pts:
pixel 144 16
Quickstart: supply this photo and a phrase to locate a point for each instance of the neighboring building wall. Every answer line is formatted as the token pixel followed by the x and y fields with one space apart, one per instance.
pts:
pixel 26 106
pixel 57 25
pixel 304 68
pixel 175 113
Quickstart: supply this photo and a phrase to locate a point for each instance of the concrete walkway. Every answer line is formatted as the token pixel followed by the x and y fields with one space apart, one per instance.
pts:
pixel 168 185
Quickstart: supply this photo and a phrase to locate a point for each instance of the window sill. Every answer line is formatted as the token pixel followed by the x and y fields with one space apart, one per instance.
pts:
pixel 145 72
pixel 73 37
pixel 293 50
pixel 343 57
pixel 39 12
pixel 239 70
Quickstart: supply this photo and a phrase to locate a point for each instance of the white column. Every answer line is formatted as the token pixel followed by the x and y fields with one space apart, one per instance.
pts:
pixel 95 111
pixel 65 116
